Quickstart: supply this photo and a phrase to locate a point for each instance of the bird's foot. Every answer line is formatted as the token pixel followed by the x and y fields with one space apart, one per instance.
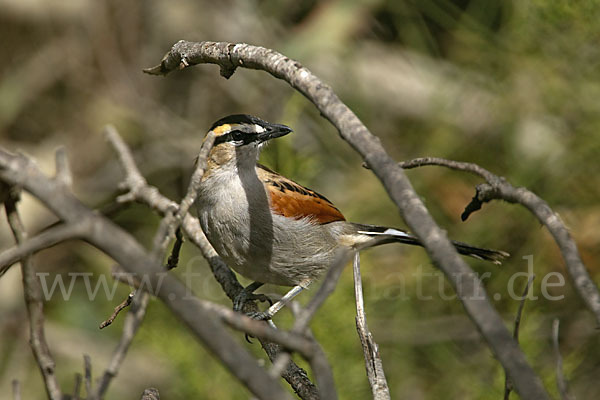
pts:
pixel 247 294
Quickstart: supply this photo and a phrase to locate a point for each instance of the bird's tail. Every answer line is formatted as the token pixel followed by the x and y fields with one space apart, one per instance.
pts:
pixel 385 235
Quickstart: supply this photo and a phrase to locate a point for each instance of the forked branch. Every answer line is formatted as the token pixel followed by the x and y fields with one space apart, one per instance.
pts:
pixel 498 188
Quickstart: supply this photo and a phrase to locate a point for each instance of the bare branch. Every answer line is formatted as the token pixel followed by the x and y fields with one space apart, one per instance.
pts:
pixel 327 287
pixel 229 56
pixel 118 309
pixel 20 171
pixel 48 238
pixel 35 304
pixel 457 165
pixel 561 381
pixel 373 361
pixel 150 196
pixel 508 387
pixel 132 323
pixel 498 188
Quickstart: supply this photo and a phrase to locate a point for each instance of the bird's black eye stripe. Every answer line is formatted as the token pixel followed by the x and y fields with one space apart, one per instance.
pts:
pixel 235 136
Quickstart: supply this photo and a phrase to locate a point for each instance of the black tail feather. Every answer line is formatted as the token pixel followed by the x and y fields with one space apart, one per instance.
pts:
pixel 391 235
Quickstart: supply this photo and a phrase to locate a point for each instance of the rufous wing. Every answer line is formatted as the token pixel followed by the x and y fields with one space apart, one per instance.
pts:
pixel 293 200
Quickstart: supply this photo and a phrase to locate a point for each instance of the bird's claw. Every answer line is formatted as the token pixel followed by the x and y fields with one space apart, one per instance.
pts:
pixel 247 294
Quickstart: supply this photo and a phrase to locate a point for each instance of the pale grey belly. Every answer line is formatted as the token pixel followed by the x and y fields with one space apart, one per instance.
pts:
pixel 269 248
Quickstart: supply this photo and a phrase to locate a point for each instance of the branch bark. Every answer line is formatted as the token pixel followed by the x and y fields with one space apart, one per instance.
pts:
pixel 497 187
pixel 230 56
pixel 17 170
pixel 35 304
pixel 373 362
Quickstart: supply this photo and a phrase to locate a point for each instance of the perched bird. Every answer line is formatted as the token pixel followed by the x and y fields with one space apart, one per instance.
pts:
pixel 269 228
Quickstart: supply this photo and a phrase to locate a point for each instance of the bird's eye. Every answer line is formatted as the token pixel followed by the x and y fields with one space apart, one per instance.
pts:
pixel 237 135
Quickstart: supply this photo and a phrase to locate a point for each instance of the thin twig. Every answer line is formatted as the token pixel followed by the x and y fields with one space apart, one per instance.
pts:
pixel 456 165
pixel 508 387
pixel 327 287
pixel 373 362
pixel 132 323
pixel 173 222
pixel 561 381
pixel 34 302
pixel 118 309
pixel 499 188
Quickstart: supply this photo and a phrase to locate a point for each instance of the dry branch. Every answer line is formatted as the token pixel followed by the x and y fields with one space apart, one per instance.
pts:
pixel 140 191
pixel 498 188
pixel 507 383
pixel 34 302
pixel 373 362
pixel 59 233
pixel 17 170
pixel 230 56
pixel 561 381
pixel 132 323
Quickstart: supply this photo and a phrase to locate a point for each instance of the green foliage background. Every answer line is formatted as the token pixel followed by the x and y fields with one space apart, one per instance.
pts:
pixel 511 85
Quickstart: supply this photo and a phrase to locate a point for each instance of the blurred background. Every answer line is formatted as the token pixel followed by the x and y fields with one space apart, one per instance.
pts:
pixel 510 85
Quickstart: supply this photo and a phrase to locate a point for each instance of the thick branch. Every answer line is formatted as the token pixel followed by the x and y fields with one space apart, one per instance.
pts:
pixel 106 236
pixel 229 56
pixel 498 188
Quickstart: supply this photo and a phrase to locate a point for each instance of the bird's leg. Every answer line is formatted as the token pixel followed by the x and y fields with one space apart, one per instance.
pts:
pixel 271 311
pixel 247 293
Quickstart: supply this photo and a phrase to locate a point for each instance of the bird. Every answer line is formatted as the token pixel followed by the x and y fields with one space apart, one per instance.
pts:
pixel 270 229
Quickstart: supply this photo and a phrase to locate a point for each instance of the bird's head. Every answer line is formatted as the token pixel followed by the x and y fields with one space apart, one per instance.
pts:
pixel 242 130
pixel 239 138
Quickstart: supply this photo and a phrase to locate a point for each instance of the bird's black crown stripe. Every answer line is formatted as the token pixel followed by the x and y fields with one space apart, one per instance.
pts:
pixel 238 119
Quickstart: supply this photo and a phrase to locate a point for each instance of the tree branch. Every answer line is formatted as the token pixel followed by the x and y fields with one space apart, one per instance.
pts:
pixel 17 170
pixel 507 383
pixel 132 323
pixel 140 191
pixel 561 381
pixel 498 188
pixel 229 56
pixel 48 238
pixel 34 302
pixel 373 362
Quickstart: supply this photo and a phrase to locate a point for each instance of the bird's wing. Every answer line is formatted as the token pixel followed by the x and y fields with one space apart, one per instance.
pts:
pixel 293 200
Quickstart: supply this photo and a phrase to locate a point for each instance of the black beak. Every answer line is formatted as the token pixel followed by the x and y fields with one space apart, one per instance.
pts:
pixel 273 131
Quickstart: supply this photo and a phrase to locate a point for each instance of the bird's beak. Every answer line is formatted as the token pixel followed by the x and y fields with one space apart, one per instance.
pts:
pixel 274 131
